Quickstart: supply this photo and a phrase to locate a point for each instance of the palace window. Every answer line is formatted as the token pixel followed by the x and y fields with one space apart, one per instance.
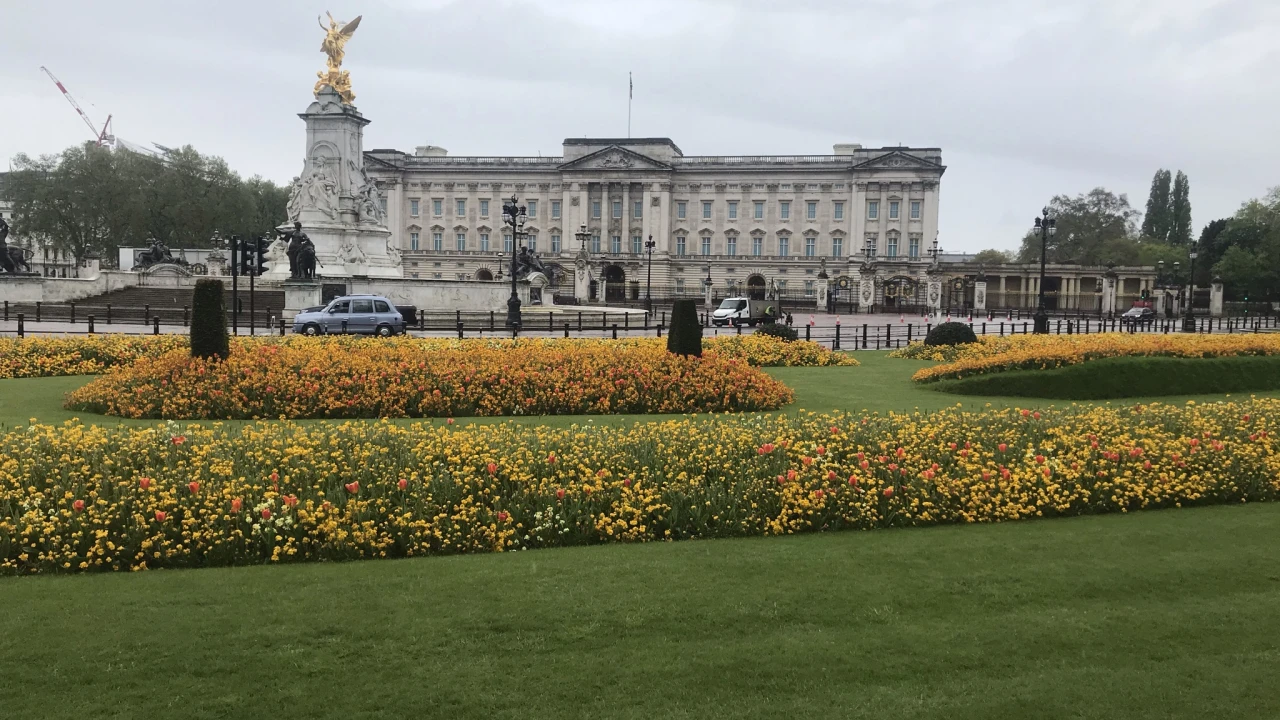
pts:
pixel 706 245
pixel 808 288
pixel 555 209
pixel 706 209
pixel 733 209
pixel 757 246
pixel 679 286
pixel 784 210
pixel 837 247
pixel 784 245
pixel 484 242
pixel 506 242
pixel 531 207
pixel 681 209
pixel 617 208
pixel 893 209
pixel 437 241
pixel 731 245
pixel 811 210
pixel 615 244
pixel 870 246
pixel 382 203
pixel 595 244
pixel 413 207
pixel 484 208
pixel 462 208
pixel 637 208
pixel 555 241
pixel 437 207
pixel 637 245
pixel 680 245
pixel 913 246
pixel 810 246
pixel 595 209
pixel 462 241
pixel 839 211
pixel 532 242
pixel 873 209
pixel 759 210
pixel 891 245
pixel 915 209
pixel 413 241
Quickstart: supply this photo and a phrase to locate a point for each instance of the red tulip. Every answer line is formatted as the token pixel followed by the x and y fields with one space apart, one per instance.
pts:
pixel 275 476
pixel 853 480
pixel 1036 415
pixel 559 493
pixel 236 505
pixel 822 450
pixel 78 506
pixel 1246 418
pixel 891 466
pixel 194 487
pixel 1004 473
pixel 1002 447
pixel 502 515
pixel 493 468
pixel 835 430
pixel 831 475
pixel 888 492
pixel 144 483
pixel 290 500
pixel 901 452
pixel 551 458
pixel 402 483
pixel 791 474
pixel 806 460
pixel 266 513
pixel 986 475
pixel 449 421
pixel 353 487
pixel 951 446
pixel 818 493
pixel 627 482
pixel 161 515
pixel 1025 412
pixel 864 464
pixel 1039 459
pixel 179 439
pixel 860 456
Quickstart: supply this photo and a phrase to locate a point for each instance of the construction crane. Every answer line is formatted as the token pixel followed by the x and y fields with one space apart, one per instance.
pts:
pixel 104 137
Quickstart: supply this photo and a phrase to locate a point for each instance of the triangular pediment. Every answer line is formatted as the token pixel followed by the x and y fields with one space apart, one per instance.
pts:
pixel 615 158
pixel 898 160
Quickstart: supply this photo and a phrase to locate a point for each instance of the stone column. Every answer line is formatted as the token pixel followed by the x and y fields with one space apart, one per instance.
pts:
pixel 1109 294
pixel 934 295
pixel 584 205
pixel 823 286
pixel 646 213
pixel 625 231
pixel 1215 298
pixel 980 295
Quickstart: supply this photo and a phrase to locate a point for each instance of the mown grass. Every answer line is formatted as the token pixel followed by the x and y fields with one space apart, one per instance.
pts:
pixel 1154 615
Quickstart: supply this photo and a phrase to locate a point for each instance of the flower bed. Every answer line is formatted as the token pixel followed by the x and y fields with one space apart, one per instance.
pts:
pixel 93 354
pixel 81 497
pixel 87 355
pixel 1039 352
pixel 369 378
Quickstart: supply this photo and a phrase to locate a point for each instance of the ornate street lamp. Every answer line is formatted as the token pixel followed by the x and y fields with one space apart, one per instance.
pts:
pixel 1045 227
pixel 706 295
pixel 1189 320
pixel 514 215
pixel 648 282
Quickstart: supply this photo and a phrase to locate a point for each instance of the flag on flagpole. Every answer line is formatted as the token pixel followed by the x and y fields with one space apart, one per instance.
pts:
pixel 631 87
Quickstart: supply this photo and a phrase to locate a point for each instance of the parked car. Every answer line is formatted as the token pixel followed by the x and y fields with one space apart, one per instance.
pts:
pixel 1138 316
pixel 354 314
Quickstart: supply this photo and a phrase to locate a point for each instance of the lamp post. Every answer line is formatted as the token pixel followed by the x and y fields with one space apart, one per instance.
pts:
pixel 1045 227
pixel 706 295
pixel 514 215
pixel 1189 320
pixel 648 282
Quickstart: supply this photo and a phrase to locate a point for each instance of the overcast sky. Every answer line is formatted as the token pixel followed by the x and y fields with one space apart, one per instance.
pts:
pixel 1026 98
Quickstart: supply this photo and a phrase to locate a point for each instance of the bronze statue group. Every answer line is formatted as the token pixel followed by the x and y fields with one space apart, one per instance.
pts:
pixel 11 258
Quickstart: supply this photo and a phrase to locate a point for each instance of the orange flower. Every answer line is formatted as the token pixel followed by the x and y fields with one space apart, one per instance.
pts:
pixel 236 505
pixel 161 515
pixel 78 505
pixel 193 487
pixel 353 487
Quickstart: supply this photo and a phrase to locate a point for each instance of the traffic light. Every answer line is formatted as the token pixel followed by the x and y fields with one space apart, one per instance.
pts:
pixel 244 256
pixel 260 255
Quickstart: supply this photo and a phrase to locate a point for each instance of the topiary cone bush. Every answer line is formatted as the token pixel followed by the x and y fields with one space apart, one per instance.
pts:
pixel 685 337
pixel 951 333
pixel 209 321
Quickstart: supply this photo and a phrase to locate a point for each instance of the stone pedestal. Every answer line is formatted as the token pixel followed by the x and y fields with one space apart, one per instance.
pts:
pixel 21 288
pixel 866 292
pixel 934 295
pixel 824 292
pixel 1215 298
pixel 582 276
pixel 980 296
pixel 1108 295
pixel 299 295
pixel 336 201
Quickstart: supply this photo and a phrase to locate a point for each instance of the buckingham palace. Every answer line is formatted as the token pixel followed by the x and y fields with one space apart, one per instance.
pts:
pixel 748 222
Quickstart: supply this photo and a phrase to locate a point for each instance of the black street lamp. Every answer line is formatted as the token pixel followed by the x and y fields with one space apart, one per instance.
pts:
pixel 648 282
pixel 515 216
pixel 1045 227
pixel 1189 320
pixel 706 292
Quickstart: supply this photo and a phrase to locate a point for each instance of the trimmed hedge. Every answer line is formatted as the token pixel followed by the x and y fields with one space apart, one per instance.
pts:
pixel 1127 377
pixel 685 337
pixel 951 333
pixel 778 330
pixel 209 337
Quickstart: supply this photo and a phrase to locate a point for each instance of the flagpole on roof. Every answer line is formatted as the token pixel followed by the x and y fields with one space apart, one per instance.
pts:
pixel 631 91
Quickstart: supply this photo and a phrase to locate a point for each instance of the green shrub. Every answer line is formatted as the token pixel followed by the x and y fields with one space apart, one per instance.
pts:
pixel 685 337
pixel 951 333
pixel 209 321
pixel 1127 377
pixel 779 331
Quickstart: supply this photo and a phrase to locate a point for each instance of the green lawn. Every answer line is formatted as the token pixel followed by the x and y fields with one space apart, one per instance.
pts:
pixel 879 384
pixel 1154 615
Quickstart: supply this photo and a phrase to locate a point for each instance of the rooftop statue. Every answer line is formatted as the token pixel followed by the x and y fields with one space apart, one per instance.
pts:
pixel 334 45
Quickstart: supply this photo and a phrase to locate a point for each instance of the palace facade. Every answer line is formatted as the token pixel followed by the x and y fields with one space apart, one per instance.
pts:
pixel 746 221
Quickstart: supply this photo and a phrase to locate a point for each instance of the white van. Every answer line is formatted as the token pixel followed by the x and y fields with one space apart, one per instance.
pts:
pixel 740 310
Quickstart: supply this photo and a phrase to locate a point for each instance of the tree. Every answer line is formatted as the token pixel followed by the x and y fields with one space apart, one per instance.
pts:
pixel 209 321
pixel 1180 211
pixel 1089 228
pixel 1249 263
pixel 67 202
pixel 1157 222
pixel 992 256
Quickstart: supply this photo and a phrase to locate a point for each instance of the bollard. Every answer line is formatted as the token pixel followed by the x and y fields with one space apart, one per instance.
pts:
pixel 888 333
pixel 37 311
pixel 566 331
pixel 1069 326
pixel 864 336
pixel 90 324
pixel 908 333
pixel 186 318
pixel 807 328
pixel 281 326
pixel 73 313
pixel 1024 328
pixel 108 313
pixel 457 317
pixel 836 345
pixel 146 313
pixel 459 327
pixel 21 325
pixel 984 328
pixel 738 327
pixel 551 323
pixel 579 321
pixel 659 329
pixel 344 327
pixel 491 325
pixel 1059 327
pixel 6 311
pixel 615 331
pixel 155 325
pixel 422 319
pixel 626 321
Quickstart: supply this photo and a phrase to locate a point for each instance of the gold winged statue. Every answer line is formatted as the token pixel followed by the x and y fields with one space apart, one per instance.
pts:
pixel 333 45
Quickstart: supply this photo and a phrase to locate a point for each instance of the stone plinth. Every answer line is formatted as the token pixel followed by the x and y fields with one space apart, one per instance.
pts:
pixel 299 294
